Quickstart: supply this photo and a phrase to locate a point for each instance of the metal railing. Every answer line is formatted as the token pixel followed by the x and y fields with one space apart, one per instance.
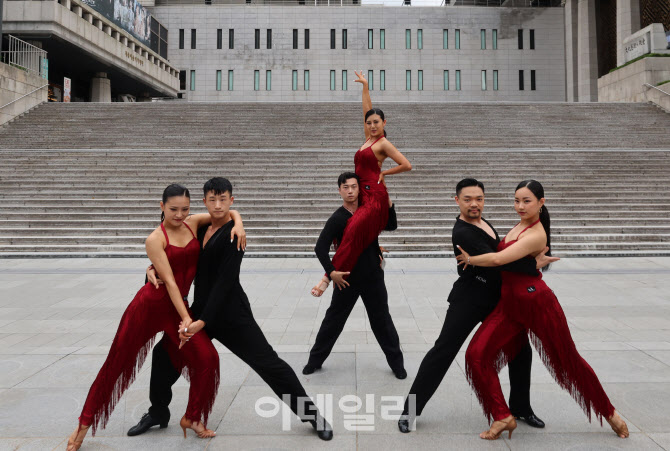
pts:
pixel 657 88
pixel 25 56
pixel 24 95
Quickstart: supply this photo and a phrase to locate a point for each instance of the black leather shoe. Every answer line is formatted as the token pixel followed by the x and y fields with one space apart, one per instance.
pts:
pixel 404 425
pixel 400 373
pixel 325 432
pixel 146 422
pixel 531 420
pixel 309 368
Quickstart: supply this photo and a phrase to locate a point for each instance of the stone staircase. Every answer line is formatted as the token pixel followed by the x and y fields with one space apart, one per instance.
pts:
pixel 195 125
pixel 104 203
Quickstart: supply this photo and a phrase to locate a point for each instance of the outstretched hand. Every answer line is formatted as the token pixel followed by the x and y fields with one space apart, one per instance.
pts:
pixel 463 258
pixel 541 260
pixel 361 78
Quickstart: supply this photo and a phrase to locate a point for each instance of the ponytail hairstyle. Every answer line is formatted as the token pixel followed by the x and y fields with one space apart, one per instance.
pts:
pixel 378 112
pixel 537 189
pixel 174 190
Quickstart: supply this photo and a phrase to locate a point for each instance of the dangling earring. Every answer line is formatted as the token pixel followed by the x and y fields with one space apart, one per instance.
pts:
pixel 540 210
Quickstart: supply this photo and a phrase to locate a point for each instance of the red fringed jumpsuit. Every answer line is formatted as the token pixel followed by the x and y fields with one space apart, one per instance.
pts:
pixel 527 304
pixel 371 216
pixel 151 312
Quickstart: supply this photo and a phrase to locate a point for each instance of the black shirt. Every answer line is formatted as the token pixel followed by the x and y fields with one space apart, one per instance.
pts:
pixel 218 295
pixel 481 285
pixel 368 262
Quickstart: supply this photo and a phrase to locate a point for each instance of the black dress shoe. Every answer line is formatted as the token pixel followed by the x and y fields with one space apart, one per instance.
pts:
pixel 531 420
pixel 323 429
pixel 404 425
pixel 146 422
pixel 309 368
pixel 400 373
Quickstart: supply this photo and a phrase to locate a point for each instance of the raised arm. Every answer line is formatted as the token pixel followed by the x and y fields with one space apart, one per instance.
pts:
pixel 158 257
pixel 367 101
pixel 238 230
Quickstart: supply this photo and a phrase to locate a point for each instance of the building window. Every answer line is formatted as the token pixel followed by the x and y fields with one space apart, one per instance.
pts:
pixel 408 39
pixel 268 80
pixel 219 39
pixel 344 80
pixel 420 80
pixel 495 80
pixel 306 80
pixel 218 80
pixel 307 38
pixel 181 38
pixel 294 81
pixel 458 80
pixel 370 80
pixel 257 38
pixel 382 80
pixel 193 38
pixel 344 39
pixel 382 39
pixel 182 80
pixel 457 38
pixel 521 83
pixel 257 80
pixel 533 87
pixel 408 80
pixel 332 38
pixel 370 38
pixel 332 80
pixel 446 80
pixel 295 38
pixel 532 39
pixel 419 39
pixel 269 36
pixel 231 38
pixel 483 80
pixel 495 39
pixel 445 39
pixel 192 80
pixel 230 80
pixel 483 39
pixel 520 39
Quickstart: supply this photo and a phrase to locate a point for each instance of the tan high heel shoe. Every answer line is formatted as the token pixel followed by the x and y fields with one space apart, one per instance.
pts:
pixel 509 424
pixel 620 428
pixel 196 425
pixel 320 287
pixel 76 439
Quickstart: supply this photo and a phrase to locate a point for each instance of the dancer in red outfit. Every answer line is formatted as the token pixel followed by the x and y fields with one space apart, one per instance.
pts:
pixel 372 214
pixel 173 251
pixel 527 304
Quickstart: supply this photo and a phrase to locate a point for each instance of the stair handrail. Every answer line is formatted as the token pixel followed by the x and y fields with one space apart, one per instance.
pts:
pixel 657 88
pixel 24 95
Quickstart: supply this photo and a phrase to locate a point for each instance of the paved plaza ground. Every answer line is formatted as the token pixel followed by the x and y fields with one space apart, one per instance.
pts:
pixel 58 318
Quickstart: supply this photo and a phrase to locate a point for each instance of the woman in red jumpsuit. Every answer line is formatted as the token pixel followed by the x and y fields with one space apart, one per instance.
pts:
pixel 173 250
pixel 371 216
pixel 527 304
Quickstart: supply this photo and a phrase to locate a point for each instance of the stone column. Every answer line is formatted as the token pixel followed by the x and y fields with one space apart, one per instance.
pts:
pixel 587 48
pixel 101 88
pixel 627 23
pixel 571 53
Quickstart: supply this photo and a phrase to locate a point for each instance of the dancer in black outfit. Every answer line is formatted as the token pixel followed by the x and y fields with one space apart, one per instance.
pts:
pixel 366 281
pixel 474 295
pixel 223 310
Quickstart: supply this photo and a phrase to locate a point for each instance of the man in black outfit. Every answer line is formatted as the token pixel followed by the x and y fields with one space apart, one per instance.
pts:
pixel 366 280
pixel 474 295
pixel 223 310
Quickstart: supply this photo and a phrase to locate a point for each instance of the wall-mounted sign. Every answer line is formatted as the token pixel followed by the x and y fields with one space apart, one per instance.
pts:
pixel 639 46
pixel 127 14
pixel 67 84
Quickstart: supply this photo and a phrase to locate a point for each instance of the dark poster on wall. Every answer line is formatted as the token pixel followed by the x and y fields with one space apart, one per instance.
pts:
pixel 127 14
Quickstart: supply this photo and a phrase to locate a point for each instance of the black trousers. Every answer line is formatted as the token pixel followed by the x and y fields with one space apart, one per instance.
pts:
pixel 375 297
pixel 461 319
pixel 245 340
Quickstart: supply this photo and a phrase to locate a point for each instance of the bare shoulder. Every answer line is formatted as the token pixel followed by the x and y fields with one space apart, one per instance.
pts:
pixel 155 238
